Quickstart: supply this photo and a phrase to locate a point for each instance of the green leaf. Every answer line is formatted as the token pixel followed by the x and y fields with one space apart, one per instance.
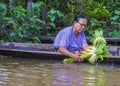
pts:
pixel 114 18
pixel 12 34
pixel 117 12
pixel 68 60
pixel 40 21
pixel 20 34
pixel 52 24
pixel 35 40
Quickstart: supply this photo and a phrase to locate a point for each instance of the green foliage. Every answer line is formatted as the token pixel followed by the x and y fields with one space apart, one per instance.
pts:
pixel 116 16
pixel 36 8
pixel 35 40
pixel 114 33
pixel 20 22
pixel 52 15
pixel 16 22
pixel 96 10
pixel 3 10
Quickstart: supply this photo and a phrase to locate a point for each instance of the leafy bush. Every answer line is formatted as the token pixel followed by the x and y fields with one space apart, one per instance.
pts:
pixel 16 22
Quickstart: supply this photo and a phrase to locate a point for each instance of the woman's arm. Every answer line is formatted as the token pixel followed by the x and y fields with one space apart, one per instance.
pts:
pixel 85 46
pixel 64 51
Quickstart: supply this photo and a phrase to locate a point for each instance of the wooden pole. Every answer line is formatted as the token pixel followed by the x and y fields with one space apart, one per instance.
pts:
pixel 29 4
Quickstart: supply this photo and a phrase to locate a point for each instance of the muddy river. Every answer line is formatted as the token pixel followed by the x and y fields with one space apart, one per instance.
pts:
pixel 36 72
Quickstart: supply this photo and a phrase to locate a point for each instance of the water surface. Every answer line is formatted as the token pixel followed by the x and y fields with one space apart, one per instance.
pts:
pixel 36 72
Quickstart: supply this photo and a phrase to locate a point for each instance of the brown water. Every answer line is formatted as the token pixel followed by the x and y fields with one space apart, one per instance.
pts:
pixel 36 72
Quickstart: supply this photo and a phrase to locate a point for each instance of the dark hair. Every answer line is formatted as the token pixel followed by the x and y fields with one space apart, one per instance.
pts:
pixel 77 17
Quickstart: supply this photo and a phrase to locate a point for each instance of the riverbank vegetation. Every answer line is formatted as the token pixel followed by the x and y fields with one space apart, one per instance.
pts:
pixel 23 18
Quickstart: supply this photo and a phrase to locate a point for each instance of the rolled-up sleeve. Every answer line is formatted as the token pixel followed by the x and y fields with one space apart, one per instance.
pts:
pixel 62 37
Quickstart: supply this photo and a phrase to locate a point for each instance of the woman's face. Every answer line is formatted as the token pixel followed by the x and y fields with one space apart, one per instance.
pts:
pixel 80 25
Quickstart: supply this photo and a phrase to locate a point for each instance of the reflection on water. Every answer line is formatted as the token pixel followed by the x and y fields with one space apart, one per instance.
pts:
pixel 94 76
pixel 35 72
pixel 67 75
pixel 4 75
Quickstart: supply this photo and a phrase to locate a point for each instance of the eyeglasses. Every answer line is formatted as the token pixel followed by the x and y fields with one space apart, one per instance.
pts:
pixel 83 25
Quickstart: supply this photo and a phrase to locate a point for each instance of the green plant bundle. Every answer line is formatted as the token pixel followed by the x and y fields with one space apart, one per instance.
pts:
pixel 99 43
pixel 98 50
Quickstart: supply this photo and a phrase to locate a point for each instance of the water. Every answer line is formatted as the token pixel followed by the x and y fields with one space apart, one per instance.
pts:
pixel 36 72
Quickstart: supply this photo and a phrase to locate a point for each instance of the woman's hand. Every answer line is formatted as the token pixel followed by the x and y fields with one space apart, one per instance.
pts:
pixel 77 57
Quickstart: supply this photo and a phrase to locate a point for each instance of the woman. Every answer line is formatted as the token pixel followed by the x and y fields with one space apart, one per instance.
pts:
pixel 72 39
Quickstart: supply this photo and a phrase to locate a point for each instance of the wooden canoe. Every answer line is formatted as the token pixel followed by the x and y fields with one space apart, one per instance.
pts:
pixel 42 51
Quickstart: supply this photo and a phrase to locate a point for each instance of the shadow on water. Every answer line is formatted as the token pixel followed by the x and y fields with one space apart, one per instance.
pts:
pixel 36 72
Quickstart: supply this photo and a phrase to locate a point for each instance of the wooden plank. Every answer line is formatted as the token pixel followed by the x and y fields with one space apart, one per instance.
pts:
pixel 32 54
pixel 45 53
pixel 39 50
